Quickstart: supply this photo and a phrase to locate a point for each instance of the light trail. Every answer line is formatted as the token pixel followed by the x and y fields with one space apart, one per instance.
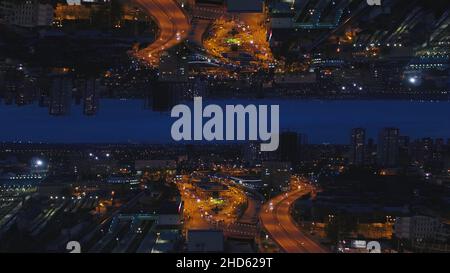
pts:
pixel 278 223
pixel 173 24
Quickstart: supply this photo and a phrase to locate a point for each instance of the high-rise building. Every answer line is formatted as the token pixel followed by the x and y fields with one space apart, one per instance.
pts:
pixel 357 146
pixel 165 95
pixel 428 150
pixel 388 147
pixel 439 148
pixel 371 152
pixel 91 95
pixel 420 228
pixel 288 150
pixel 30 13
pixel 172 68
pixel 302 142
pixel 14 81
pixel 276 175
pixel 60 94
pixel 252 152
pixel 6 10
pixel 404 148
pixel 44 83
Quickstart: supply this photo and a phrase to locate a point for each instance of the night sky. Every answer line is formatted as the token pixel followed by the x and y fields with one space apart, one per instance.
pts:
pixel 120 121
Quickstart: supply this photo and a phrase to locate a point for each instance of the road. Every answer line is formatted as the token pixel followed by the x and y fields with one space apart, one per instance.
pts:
pixel 246 226
pixel 250 215
pixel 194 217
pixel 197 219
pixel 254 202
pixel 276 220
pixel 173 26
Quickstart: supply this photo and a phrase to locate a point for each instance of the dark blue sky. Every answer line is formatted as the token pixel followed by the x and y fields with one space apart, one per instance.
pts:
pixel 127 120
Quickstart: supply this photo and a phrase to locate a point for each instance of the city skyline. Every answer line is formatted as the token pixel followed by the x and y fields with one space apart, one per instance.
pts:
pixel 123 121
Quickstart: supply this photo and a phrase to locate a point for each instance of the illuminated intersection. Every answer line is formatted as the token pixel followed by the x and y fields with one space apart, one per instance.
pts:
pixel 241 42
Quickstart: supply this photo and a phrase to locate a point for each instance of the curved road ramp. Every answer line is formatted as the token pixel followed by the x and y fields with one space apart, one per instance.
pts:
pixel 173 24
pixel 276 220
